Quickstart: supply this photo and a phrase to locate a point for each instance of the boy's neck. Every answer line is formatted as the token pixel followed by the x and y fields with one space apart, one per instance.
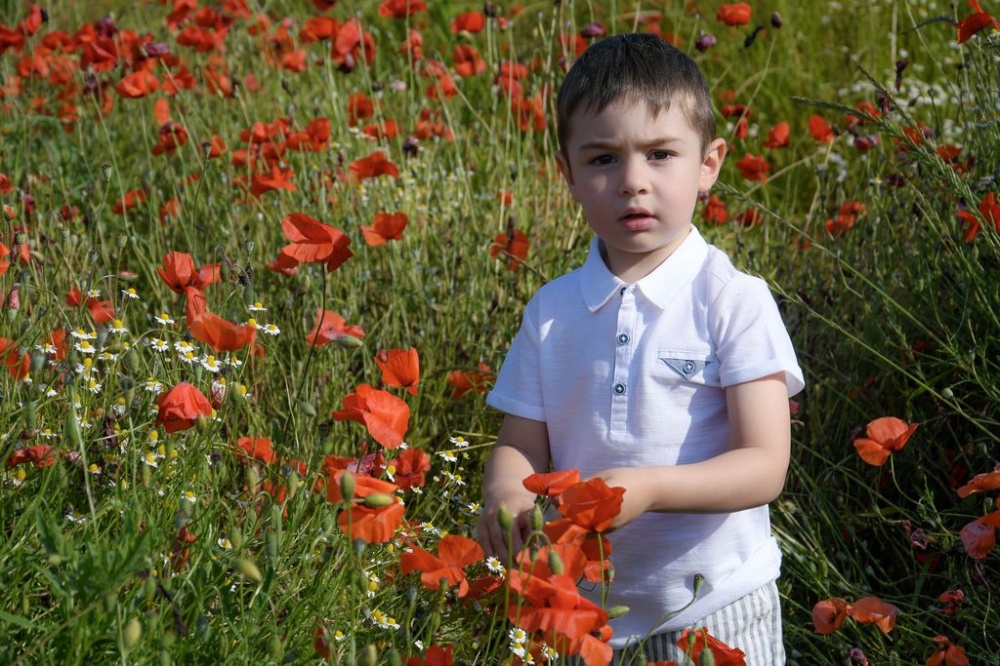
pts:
pixel 632 268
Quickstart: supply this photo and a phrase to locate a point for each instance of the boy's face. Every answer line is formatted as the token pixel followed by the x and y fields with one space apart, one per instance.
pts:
pixel 637 177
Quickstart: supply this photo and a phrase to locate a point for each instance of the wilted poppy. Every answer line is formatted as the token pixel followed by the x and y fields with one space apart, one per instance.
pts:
pixel 386 416
pixel 872 610
pixel 734 13
pixel 454 553
pixel 400 368
pixel 947 654
pixel 180 407
pixel 592 504
pixel 980 536
pixel 829 614
pixel 885 435
pixel 39 455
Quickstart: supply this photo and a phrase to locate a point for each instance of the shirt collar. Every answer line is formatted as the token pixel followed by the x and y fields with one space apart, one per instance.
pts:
pixel 599 284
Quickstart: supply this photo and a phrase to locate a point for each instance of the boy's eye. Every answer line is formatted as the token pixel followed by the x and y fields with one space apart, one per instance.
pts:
pixel 602 159
pixel 659 155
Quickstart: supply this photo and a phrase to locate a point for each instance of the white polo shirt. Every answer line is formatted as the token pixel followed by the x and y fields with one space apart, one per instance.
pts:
pixel 634 375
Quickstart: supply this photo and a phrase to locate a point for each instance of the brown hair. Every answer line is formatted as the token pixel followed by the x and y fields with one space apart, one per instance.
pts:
pixel 635 67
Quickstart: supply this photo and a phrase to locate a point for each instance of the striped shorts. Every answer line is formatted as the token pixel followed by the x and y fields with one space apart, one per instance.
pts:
pixel 752 624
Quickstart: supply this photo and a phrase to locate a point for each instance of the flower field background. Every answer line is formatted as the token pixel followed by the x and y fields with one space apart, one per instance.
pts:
pixel 259 262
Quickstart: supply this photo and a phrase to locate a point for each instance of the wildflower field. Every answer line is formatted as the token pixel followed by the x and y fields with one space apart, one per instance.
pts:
pixel 260 261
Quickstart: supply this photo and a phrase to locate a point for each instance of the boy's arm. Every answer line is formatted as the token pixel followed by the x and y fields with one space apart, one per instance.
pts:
pixel 749 474
pixel 522 449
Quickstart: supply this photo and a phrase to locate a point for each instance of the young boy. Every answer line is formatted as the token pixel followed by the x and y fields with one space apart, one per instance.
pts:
pixel 656 366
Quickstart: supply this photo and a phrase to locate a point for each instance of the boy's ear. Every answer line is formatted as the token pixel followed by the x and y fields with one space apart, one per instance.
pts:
pixel 563 164
pixel 712 164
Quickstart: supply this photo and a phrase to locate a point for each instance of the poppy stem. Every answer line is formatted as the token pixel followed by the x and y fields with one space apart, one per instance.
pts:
pixel 309 357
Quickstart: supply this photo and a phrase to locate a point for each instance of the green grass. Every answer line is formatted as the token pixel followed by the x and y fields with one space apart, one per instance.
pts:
pixel 896 317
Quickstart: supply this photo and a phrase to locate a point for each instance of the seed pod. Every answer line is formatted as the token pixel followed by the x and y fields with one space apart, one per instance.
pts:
pixel 248 569
pixel 347 485
pixel 378 500
pixel 505 519
pixel 132 633
pixel 556 563
pixel 537 519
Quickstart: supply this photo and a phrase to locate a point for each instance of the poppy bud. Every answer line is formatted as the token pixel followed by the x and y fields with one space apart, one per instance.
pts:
pixel 132 633
pixel 776 21
pixel 537 519
pixel 347 66
pixel 348 342
pixel 248 569
pixel 368 656
pixel 556 563
pixel 617 611
pixel 592 30
pixel 707 658
pixel 704 42
pixel 378 500
pixel 505 519
pixel 347 485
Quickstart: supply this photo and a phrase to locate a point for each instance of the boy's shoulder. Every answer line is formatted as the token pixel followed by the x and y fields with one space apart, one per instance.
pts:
pixel 719 273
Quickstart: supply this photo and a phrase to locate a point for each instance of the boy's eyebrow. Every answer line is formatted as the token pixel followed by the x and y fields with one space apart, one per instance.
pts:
pixel 608 143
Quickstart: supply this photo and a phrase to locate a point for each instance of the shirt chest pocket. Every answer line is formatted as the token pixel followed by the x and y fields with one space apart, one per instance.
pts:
pixel 687 366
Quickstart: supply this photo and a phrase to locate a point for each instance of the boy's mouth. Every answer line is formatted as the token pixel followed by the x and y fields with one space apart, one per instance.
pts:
pixel 636 218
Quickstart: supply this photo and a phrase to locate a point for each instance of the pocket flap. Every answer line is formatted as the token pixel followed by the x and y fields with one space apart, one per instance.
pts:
pixel 685 367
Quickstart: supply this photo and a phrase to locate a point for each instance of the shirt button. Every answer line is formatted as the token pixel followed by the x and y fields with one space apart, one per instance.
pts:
pixel 622 291
pixel 622 338
pixel 689 366
pixel 619 388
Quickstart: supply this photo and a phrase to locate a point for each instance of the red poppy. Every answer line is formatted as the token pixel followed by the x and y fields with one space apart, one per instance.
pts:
pixel 821 130
pixel 373 166
pixel 742 114
pixel 975 22
pixel 400 9
pixel 829 614
pixel 981 482
pixel 400 368
pixel 513 245
pixel 989 209
pixel 129 200
pixel 179 553
pixel 467 60
pixel 385 227
pixel 698 640
pixel 553 605
pixel 448 566
pixel 4 262
pixel 277 179
pixel 6 187
pixel 137 84
pixel 468 22
pixel 384 129
pixel 463 381
pixel 872 610
pixel 386 416
pixel 846 217
pixel 331 326
pixel 734 13
pixel 219 334
pixel 947 654
pixel 777 136
pixel 409 467
pixel 753 167
pixel 257 448
pixel 715 210
pixel 552 484
pixel 592 504
pixel 313 241
pixel 180 407
pixel 17 364
pixel 885 435
pixel 100 311
pixel 318 28
pixel 434 656
pixel 349 43
pixel 39 455
pixel 179 273
pixel 595 549
pixel 359 107
pixel 372 524
pixel 952 600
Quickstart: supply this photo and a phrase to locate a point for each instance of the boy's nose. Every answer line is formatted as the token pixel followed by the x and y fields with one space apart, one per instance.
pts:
pixel 634 180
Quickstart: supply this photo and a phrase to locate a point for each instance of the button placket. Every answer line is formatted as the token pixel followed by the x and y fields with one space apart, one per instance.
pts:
pixel 623 360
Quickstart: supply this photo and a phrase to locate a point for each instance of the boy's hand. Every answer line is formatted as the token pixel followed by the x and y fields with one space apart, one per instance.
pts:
pixel 502 543
pixel 638 497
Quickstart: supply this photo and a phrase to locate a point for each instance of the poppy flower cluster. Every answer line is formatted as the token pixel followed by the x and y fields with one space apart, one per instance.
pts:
pixel 829 614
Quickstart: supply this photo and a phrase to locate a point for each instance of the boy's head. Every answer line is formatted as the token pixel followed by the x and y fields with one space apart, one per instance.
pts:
pixel 635 68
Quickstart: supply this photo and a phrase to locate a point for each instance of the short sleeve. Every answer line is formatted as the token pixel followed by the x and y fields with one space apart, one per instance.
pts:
pixel 518 388
pixel 751 339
